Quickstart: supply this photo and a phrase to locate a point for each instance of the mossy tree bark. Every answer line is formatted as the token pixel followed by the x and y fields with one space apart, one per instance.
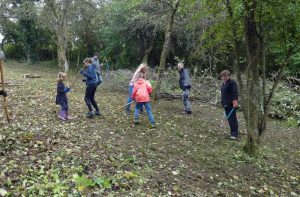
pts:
pixel 253 93
pixel 257 101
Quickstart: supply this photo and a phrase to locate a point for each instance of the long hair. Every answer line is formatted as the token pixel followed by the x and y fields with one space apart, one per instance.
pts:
pixel 143 67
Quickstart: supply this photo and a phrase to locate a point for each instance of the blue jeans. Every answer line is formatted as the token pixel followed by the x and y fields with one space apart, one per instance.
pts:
pixel 232 120
pixel 129 100
pixel 139 106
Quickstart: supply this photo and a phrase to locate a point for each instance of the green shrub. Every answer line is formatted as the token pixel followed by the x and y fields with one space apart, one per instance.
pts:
pixel 285 105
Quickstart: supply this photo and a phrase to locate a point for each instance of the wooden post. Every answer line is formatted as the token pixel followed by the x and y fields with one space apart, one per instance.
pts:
pixel 3 88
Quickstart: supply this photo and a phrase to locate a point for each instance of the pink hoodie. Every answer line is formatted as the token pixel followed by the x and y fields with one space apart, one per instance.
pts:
pixel 142 89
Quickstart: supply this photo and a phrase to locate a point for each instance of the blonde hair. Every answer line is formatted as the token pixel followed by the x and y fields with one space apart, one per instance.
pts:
pixel 60 76
pixel 143 66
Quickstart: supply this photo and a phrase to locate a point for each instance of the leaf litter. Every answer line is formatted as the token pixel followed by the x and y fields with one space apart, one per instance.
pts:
pixel 183 156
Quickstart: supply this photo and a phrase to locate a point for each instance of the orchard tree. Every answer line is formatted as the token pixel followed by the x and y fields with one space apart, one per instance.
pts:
pixel 57 15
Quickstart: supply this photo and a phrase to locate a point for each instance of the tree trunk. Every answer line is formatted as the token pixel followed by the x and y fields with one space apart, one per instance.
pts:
pixel 262 126
pixel 253 86
pixel 165 50
pixel 78 57
pixel 61 51
pixel 237 66
pixel 61 29
pixel 147 52
pixel 29 40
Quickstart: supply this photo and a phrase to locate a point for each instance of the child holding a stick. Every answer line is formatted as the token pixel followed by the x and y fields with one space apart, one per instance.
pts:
pixel 92 80
pixel 141 69
pixel 142 89
pixel 61 97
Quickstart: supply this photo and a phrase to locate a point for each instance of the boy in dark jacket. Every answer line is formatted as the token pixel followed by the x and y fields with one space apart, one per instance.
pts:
pixel 229 100
pixel 185 85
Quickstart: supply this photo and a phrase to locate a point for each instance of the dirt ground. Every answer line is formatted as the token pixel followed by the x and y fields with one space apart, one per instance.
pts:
pixel 186 155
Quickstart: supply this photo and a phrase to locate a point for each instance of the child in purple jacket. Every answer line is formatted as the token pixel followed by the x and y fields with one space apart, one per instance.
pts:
pixel 61 97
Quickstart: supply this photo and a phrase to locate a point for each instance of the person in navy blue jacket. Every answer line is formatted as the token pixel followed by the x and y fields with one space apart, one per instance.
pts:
pixel 229 100
pixel 185 85
pixel 92 81
pixel 61 97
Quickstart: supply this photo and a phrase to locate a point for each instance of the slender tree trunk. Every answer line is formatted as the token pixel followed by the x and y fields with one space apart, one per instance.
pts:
pixel 165 50
pixel 61 51
pixel 252 89
pixel 147 52
pixel 61 31
pixel 3 88
pixel 237 66
pixel 78 57
pixel 29 47
pixel 262 126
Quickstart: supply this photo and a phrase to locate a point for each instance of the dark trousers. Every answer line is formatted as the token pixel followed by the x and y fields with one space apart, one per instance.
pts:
pixel 64 104
pixel 90 97
pixel 232 120
pixel 64 107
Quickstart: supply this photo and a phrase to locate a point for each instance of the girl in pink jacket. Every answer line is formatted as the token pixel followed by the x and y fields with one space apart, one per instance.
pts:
pixel 142 89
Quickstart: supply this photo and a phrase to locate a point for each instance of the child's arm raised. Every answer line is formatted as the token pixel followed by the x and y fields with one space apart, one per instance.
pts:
pixel 87 72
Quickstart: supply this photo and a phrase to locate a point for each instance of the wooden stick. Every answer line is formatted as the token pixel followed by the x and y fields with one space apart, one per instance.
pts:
pixel 3 88
pixel 74 80
pixel 122 107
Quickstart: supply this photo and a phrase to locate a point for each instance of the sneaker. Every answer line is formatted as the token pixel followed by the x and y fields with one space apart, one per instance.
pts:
pixel 233 138
pixel 136 122
pixel 90 114
pixel 188 112
pixel 153 126
pixel 62 118
pixel 98 113
pixel 69 118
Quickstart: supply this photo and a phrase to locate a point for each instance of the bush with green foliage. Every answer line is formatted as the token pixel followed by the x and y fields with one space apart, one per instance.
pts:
pixel 286 105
